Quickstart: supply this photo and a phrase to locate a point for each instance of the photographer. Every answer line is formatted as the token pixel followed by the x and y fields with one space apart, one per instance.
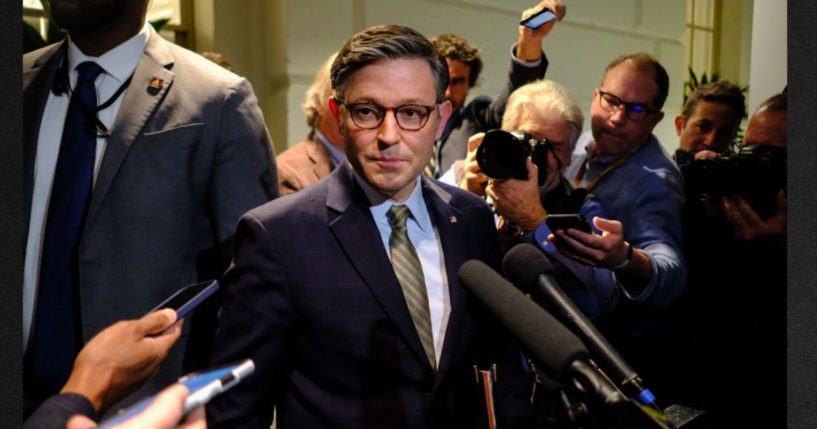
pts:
pixel 735 242
pixel 528 63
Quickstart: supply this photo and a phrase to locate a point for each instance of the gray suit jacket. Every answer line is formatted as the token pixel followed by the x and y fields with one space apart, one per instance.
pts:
pixel 182 164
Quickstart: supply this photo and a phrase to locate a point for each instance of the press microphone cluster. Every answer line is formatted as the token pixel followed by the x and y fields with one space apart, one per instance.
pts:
pixel 529 269
pixel 559 352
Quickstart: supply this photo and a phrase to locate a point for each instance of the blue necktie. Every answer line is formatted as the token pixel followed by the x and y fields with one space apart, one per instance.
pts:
pixel 57 335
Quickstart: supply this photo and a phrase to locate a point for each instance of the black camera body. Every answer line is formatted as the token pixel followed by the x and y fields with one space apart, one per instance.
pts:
pixel 502 155
pixel 758 172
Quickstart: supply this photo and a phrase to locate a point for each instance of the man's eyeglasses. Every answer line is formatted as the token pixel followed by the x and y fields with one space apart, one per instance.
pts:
pixel 635 111
pixel 410 117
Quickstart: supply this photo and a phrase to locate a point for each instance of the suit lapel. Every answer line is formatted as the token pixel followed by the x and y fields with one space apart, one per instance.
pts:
pixel 141 100
pixel 351 222
pixel 37 83
pixel 447 220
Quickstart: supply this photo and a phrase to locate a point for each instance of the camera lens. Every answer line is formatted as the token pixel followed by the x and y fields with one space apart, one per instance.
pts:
pixel 502 156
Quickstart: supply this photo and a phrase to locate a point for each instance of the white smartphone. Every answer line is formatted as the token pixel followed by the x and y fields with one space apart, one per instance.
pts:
pixel 203 386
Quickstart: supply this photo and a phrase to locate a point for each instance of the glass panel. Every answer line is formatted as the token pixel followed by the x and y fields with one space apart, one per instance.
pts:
pixel 704 13
pixel 165 9
pixel 690 6
pixel 701 60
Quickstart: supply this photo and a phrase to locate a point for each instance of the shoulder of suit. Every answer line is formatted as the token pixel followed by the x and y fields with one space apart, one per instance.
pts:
pixel 40 55
pixel 478 103
pixel 457 197
pixel 191 66
pixel 308 203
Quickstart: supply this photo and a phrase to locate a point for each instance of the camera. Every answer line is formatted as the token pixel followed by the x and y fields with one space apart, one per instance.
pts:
pixel 502 155
pixel 758 172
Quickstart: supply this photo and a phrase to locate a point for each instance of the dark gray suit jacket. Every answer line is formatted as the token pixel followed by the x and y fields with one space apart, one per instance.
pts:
pixel 181 166
pixel 312 298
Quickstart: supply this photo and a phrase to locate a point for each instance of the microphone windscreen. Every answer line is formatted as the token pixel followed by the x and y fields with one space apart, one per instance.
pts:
pixel 547 340
pixel 523 265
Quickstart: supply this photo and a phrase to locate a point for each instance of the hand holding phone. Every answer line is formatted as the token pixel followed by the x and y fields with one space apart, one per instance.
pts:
pixel 566 221
pixel 202 386
pixel 538 19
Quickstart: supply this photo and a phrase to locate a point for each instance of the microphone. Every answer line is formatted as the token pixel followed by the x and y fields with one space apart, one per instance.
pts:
pixel 529 270
pixel 554 346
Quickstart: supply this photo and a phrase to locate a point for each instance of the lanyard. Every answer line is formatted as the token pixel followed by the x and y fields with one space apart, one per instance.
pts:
pixel 617 163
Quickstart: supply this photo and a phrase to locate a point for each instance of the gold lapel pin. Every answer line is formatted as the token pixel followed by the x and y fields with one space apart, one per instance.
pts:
pixel 155 83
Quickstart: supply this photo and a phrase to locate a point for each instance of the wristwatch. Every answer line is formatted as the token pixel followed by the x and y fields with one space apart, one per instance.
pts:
pixel 627 259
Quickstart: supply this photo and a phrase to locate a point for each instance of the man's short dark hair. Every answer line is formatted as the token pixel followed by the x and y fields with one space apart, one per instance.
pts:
pixel 723 92
pixel 387 42
pixel 645 63
pixel 455 47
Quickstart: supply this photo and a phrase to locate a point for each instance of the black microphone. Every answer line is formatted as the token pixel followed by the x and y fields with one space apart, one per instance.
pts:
pixel 529 270
pixel 548 341
pixel 554 346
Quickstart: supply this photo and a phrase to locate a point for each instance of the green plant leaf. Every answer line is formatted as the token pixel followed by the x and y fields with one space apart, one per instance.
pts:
pixel 159 23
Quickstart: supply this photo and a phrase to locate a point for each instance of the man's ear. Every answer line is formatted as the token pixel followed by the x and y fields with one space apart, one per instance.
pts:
pixel 445 112
pixel 680 123
pixel 333 107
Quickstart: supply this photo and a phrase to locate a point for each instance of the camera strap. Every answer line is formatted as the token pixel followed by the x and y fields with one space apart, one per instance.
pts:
pixel 612 167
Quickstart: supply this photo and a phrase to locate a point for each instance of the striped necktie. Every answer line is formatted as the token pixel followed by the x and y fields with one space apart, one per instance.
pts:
pixel 409 273
pixel 432 169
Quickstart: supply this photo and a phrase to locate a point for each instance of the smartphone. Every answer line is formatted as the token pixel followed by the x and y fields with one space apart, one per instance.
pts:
pixel 538 19
pixel 565 221
pixel 188 297
pixel 202 386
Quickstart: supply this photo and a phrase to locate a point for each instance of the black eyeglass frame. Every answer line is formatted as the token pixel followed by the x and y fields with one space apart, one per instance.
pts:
pixel 383 110
pixel 630 108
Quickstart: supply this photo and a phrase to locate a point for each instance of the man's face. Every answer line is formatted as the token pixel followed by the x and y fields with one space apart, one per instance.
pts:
pixel 613 132
pixel 80 17
pixel 459 75
pixel 388 157
pixel 548 125
pixel 711 126
pixel 767 128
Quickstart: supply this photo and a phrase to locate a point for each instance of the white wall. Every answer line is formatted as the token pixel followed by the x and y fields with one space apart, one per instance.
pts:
pixel 768 51
pixel 278 44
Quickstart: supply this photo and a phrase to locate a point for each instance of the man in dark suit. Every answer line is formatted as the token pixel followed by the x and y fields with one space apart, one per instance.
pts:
pixel 154 152
pixel 353 314
pixel 314 157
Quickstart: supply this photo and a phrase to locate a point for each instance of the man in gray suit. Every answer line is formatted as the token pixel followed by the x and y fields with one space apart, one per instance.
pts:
pixel 140 156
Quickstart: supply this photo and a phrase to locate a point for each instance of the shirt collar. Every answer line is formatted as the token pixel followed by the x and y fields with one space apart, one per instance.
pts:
pixel 119 62
pixel 380 205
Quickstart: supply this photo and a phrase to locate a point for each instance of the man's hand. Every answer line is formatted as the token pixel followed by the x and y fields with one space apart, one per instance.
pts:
pixel 164 413
pixel 121 357
pixel 529 42
pixel 474 180
pixel 749 226
pixel 518 200
pixel 605 250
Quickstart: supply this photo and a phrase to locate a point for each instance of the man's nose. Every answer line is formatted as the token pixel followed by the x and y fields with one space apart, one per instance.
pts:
pixel 448 91
pixel 389 132
pixel 619 115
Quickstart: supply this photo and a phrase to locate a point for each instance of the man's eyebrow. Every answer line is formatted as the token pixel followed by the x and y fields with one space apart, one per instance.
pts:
pixel 458 79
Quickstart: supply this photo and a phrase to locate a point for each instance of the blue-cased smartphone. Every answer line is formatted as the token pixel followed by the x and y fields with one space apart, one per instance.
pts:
pixel 203 386
pixel 188 297
pixel 538 19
